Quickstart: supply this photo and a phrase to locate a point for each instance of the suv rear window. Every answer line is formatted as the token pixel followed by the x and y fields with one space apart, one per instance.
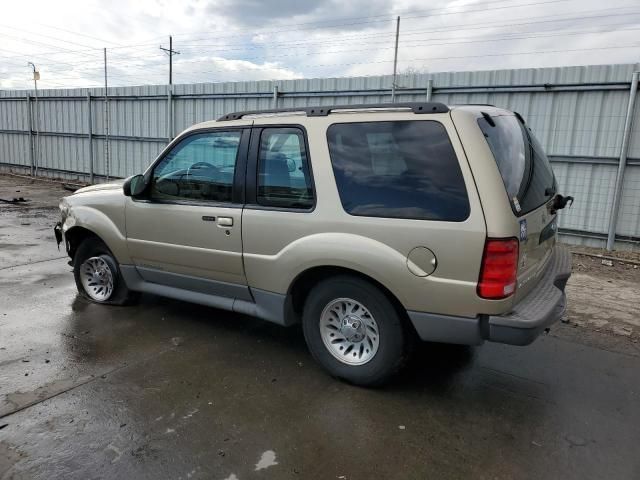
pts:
pixel 524 167
pixel 403 169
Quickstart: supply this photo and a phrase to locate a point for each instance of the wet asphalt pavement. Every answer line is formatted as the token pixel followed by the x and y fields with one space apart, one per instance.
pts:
pixel 167 389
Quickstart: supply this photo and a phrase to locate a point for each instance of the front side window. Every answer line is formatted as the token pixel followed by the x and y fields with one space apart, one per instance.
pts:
pixel 284 180
pixel 525 169
pixel 200 167
pixel 402 169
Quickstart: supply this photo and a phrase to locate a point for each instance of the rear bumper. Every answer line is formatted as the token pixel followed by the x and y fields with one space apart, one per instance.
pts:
pixel 542 307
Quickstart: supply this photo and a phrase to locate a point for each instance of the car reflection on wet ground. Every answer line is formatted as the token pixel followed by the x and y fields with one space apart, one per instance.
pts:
pixel 166 389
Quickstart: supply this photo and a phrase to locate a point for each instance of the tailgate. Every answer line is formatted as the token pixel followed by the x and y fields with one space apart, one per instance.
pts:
pixel 537 240
pixel 530 185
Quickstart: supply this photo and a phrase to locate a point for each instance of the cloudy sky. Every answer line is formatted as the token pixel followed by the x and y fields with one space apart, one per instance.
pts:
pixel 226 40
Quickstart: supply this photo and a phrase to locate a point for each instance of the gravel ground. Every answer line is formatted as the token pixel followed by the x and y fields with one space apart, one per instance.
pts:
pixel 604 299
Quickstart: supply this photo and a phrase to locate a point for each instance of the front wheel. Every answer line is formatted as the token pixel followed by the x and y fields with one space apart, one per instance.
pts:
pixel 354 331
pixel 97 275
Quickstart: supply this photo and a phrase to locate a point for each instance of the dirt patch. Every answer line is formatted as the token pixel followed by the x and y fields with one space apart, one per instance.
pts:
pixel 622 255
pixel 610 265
pixel 603 300
pixel 37 193
pixel 26 229
pixel 604 304
pixel 9 456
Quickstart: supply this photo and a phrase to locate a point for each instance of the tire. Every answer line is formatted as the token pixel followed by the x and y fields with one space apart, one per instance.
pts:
pixel 375 341
pixel 93 256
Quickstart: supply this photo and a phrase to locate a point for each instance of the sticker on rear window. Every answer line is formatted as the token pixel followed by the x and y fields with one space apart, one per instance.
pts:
pixel 516 204
pixel 523 230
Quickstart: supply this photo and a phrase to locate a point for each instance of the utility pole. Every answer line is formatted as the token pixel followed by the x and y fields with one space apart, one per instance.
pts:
pixel 171 52
pixel 36 77
pixel 395 62
pixel 106 118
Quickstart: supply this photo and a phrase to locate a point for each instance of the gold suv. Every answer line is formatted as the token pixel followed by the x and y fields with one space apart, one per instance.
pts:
pixel 373 225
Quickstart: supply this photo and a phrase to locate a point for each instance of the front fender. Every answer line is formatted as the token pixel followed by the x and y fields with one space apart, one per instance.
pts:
pixel 107 222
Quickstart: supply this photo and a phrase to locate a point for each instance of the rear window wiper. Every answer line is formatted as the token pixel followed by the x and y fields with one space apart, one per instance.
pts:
pixel 488 118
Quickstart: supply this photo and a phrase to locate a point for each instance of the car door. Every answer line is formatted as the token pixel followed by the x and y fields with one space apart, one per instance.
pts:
pixel 280 201
pixel 186 230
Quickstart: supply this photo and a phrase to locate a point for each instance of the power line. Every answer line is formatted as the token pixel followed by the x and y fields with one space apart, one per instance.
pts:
pixel 253 32
pixel 78 34
pixel 409 32
pixel 536 52
pixel 31 33
pixel 417 43
pixel 414 43
pixel 35 42
pixel 92 49
pixel 481 25
pixel 427 42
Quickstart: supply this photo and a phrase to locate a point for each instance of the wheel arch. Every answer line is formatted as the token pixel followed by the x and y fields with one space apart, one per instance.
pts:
pixel 305 281
pixel 75 236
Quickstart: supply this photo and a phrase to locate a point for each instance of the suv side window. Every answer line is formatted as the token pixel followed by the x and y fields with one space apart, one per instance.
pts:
pixel 284 179
pixel 401 169
pixel 200 167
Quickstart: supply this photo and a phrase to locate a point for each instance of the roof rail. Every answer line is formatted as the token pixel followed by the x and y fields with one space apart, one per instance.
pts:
pixel 473 105
pixel 321 111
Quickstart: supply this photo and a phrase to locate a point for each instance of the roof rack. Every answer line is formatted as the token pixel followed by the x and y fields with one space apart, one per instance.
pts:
pixel 322 111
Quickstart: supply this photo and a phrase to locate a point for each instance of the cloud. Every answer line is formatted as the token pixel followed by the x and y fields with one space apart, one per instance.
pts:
pixel 267 13
pixel 259 12
pixel 226 40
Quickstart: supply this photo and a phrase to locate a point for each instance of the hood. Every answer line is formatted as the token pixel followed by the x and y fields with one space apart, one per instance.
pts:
pixel 113 185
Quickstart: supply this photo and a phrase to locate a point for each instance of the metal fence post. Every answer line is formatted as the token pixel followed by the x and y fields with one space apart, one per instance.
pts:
pixel 274 103
pixel 429 89
pixel 624 149
pixel 30 126
pixel 90 136
pixel 169 113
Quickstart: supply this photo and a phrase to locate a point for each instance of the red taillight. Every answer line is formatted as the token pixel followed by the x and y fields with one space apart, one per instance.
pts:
pixel 499 268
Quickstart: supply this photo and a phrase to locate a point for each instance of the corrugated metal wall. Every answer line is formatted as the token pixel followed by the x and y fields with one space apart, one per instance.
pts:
pixel 578 113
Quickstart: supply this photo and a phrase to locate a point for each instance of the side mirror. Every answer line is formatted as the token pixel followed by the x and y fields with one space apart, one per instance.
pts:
pixel 291 165
pixel 134 186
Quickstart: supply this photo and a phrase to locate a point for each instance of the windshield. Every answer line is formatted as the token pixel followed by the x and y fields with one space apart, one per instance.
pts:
pixel 525 169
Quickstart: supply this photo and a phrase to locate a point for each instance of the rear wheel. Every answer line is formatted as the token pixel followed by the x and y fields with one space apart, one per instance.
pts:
pixel 97 275
pixel 354 331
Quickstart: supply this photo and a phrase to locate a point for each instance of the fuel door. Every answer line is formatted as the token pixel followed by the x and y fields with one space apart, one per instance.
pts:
pixel 421 262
